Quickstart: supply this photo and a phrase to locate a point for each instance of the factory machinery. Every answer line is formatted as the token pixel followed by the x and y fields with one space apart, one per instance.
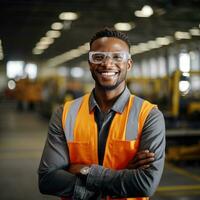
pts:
pixel 178 97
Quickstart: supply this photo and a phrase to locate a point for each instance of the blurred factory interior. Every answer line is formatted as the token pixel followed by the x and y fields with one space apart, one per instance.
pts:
pixel 43 63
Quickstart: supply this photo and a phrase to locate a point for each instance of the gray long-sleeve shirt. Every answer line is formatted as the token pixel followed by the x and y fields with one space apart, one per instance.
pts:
pixel 55 180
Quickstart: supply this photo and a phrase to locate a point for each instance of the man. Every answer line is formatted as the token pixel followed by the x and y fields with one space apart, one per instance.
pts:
pixel 107 144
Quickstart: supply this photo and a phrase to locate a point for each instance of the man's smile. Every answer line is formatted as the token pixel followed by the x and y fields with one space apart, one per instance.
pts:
pixel 107 74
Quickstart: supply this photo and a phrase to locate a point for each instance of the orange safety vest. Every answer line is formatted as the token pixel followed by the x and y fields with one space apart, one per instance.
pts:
pixel 123 138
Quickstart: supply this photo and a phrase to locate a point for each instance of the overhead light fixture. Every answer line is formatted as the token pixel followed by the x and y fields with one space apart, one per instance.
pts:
pixel 135 50
pixel 53 34
pixel 194 32
pixel 46 40
pixel 146 11
pixel 124 26
pixel 37 51
pixel 11 84
pixel 163 40
pixel 68 16
pixel 57 26
pixel 84 48
pixel 152 44
pixel 74 53
pixel 143 47
pixel 67 56
pixel 42 46
pixel 184 86
pixel 179 35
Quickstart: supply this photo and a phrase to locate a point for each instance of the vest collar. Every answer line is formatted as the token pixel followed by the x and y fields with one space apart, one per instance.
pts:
pixel 119 104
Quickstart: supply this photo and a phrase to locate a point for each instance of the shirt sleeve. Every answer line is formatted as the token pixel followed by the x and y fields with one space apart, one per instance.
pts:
pixel 134 182
pixel 53 177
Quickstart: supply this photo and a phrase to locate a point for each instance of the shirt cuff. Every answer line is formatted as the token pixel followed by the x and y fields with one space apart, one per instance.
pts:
pixel 95 178
pixel 80 191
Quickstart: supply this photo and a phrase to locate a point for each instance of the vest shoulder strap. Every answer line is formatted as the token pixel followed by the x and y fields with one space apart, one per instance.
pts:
pixel 69 114
pixel 144 112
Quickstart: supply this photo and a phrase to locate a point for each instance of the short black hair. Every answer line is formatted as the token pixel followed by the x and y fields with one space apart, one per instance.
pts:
pixel 109 32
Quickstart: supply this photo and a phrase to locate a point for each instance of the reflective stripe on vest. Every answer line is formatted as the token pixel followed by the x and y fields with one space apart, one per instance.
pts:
pixel 124 134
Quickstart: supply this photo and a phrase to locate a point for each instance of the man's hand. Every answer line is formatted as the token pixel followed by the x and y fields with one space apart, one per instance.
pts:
pixel 142 160
pixel 75 168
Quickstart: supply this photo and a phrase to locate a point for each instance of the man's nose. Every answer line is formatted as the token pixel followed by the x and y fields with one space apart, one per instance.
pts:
pixel 107 61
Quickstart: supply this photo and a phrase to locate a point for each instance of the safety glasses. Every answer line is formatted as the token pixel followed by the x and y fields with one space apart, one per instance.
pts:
pixel 96 57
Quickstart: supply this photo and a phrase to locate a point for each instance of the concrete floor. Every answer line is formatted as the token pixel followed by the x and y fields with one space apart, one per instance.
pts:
pixel 22 137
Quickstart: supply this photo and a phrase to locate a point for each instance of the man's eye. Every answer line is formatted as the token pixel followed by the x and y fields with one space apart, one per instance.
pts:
pixel 117 56
pixel 98 57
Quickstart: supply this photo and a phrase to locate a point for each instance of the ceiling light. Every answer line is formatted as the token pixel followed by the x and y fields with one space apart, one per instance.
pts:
pixel 135 49
pixel 123 26
pixel 74 53
pixel 57 26
pixel 68 16
pixel 37 51
pixel 11 84
pixel 163 40
pixel 41 46
pixel 152 44
pixel 146 11
pixel 194 32
pixel 53 34
pixel 182 35
pixel 46 40
pixel 85 46
pixel 184 86
pixel 143 46
pixel 67 56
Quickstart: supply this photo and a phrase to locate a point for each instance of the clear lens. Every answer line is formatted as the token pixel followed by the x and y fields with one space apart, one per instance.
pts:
pixel 99 57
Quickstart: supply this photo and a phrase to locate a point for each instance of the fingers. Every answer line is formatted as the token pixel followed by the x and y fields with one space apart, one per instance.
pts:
pixel 143 155
pixel 142 160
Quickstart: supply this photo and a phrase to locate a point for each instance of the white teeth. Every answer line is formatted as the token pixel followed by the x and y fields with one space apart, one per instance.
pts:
pixel 108 73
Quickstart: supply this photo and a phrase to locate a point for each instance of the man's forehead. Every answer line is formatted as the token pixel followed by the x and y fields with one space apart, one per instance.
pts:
pixel 109 42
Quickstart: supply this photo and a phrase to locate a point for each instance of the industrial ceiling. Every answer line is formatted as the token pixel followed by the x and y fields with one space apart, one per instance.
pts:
pixel 24 22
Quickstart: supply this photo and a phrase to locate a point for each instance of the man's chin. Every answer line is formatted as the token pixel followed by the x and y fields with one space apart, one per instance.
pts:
pixel 108 87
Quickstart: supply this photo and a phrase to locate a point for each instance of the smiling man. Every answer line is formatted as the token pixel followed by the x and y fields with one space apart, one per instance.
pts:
pixel 107 144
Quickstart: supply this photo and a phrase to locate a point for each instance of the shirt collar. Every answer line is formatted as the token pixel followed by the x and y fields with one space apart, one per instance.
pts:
pixel 119 104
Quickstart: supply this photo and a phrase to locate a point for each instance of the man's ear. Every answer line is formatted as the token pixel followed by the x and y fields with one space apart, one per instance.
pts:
pixel 130 64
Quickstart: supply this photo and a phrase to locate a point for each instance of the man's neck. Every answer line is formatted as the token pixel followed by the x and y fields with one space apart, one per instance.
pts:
pixel 106 98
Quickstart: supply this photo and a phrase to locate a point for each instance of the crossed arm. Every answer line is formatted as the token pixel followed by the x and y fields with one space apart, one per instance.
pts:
pixel 58 177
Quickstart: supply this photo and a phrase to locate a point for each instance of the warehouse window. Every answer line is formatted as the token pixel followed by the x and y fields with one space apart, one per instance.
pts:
pixel 162 66
pixel 184 62
pixel 195 60
pixel 14 69
pixel 31 70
